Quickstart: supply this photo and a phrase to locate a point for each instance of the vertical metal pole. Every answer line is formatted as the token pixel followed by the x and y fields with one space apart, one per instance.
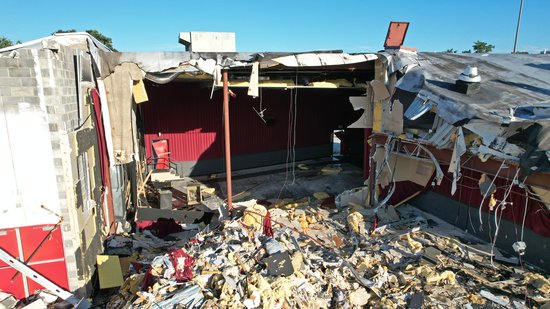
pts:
pixel 227 139
pixel 517 28
pixel 366 153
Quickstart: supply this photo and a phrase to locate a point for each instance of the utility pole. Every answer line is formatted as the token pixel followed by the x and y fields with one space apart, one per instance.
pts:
pixel 517 28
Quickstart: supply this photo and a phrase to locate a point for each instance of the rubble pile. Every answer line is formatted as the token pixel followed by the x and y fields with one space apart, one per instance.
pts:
pixel 308 253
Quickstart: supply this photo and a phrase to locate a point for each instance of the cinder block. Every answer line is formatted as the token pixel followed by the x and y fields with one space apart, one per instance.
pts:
pixel 58 162
pixel 32 100
pixel 71 259
pixel 24 53
pixel 5 91
pixel 10 107
pixel 53 126
pixel 3 72
pixel 19 72
pixel 56 145
pixel 23 91
pixel 9 81
pixel 49 91
pixel 12 101
pixel 44 53
pixel 28 81
pixel 62 194
pixel 8 62
pixel 26 63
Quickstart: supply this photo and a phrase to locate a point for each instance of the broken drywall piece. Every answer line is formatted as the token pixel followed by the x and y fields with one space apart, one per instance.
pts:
pixel 364 103
pixel 357 196
pixel 359 297
pixel 109 272
pixel 403 167
pixel 253 88
pixel 380 90
pixel 393 118
pixel 139 92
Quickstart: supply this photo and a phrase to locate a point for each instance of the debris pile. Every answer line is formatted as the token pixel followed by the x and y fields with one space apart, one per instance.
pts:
pixel 309 253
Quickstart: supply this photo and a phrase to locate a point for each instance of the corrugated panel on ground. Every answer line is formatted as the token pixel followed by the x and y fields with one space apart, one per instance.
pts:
pixel 192 122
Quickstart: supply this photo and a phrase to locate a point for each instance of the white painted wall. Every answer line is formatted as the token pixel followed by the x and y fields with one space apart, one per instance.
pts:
pixel 26 160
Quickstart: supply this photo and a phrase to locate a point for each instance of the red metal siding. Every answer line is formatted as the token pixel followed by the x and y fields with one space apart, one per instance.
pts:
pixel 49 259
pixel 192 122
pixel 468 193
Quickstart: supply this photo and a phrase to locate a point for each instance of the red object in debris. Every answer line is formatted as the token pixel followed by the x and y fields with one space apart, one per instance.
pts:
pixel 148 281
pixel 182 263
pixel 267 228
pixel 161 154
pixel 375 225
pixel 137 266
pixel 162 227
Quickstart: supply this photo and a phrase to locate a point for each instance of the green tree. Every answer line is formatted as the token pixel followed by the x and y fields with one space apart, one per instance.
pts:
pixel 64 31
pixel 5 42
pixel 451 51
pixel 482 47
pixel 107 41
pixel 469 51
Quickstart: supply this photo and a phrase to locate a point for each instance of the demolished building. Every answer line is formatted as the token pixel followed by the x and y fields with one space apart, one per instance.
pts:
pixel 471 149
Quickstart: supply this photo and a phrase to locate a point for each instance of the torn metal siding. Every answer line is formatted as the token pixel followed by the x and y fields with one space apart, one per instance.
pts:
pixel 493 125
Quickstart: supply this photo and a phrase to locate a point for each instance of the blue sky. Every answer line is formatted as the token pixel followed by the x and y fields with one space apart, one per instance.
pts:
pixel 283 25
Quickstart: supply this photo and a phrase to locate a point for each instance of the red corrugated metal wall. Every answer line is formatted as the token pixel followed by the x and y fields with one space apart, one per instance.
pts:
pixel 468 192
pixel 192 122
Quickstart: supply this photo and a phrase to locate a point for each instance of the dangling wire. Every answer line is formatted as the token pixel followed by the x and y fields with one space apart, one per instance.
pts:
pixel 294 130
pixel 524 212
pixel 290 157
pixel 261 111
pixel 501 206
pixel 485 196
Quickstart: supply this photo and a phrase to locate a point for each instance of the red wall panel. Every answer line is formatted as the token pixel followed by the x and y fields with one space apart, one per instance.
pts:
pixel 49 259
pixel 192 122
pixel 468 192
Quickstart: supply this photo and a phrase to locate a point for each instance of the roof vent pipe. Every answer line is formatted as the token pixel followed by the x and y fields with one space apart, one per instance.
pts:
pixel 470 75
pixel 468 81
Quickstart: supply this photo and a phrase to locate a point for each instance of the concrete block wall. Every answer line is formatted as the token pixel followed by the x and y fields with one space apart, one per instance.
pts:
pixel 46 78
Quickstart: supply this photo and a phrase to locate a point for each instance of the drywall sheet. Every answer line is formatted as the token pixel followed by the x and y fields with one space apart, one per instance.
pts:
pixel 403 167
pixel 110 274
